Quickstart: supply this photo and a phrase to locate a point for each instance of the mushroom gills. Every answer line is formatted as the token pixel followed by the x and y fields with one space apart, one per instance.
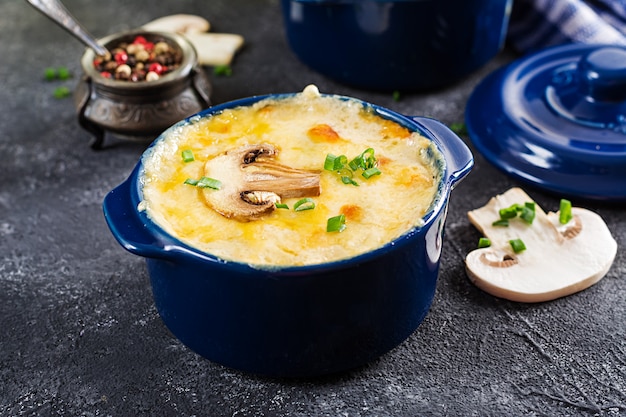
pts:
pixel 559 260
pixel 253 182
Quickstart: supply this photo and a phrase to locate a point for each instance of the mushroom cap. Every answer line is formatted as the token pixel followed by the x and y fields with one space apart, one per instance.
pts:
pixel 559 260
pixel 252 182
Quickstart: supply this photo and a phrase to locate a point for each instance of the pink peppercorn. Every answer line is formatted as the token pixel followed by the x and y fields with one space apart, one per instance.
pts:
pixel 139 60
pixel 121 57
pixel 156 67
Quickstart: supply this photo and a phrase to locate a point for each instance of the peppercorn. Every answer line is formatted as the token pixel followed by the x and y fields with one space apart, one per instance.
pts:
pixel 139 60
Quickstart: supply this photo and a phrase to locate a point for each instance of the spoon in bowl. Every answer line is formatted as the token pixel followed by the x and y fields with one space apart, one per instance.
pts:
pixel 57 12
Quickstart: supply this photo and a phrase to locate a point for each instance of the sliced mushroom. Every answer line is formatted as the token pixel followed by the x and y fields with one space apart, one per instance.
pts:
pixel 253 182
pixel 213 49
pixel 559 260
pixel 179 23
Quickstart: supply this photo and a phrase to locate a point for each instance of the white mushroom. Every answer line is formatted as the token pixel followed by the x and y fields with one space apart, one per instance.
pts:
pixel 213 49
pixel 252 182
pixel 559 260
pixel 179 23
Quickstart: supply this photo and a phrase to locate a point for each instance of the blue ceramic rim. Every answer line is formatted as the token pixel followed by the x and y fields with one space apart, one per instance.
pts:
pixel 176 245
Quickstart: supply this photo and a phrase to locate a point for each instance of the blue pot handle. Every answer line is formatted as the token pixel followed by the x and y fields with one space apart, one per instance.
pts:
pixel 459 158
pixel 124 220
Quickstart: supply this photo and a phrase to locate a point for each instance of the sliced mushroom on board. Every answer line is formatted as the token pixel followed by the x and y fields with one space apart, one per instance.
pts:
pixel 559 260
pixel 253 182
pixel 213 49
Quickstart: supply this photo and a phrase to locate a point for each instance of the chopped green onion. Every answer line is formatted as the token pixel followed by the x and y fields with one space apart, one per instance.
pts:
pixel 187 155
pixel 459 128
pixel 369 160
pixel 483 242
pixel 501 222
pixel 396 95
pixel 370 172
pixel 565 211
pixel 335 163
pixel 61 92
pixel 50 74
pixel 365 161
pixel 224 70
pixel 329 162
pixel 63 73
pixel 355 164
pixel 304 204
pixel 336 224
pixel 517 245
pixel 527 214
pixel 206 182
pixel 281 206
pixel 508 212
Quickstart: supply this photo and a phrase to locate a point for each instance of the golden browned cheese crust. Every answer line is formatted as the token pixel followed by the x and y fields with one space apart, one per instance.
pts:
pixel 304 129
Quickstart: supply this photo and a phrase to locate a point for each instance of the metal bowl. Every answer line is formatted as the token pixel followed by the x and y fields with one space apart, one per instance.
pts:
pixel 139 111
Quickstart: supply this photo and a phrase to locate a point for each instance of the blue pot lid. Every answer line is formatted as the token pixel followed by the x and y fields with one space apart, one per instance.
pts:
pixel 557 119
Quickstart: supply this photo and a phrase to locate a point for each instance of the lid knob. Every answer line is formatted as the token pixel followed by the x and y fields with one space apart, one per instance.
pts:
pixel 602 74
pixel 592 90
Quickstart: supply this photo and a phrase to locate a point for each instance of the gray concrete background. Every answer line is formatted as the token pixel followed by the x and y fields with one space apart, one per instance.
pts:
pixel 81 336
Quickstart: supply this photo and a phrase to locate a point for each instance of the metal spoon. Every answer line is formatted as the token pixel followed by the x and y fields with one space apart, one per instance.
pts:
pixel 57 12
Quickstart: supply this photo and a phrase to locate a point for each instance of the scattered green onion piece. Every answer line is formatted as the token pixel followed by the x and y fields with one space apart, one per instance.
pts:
pixel 63 73
pixel 527 214
pixel 370 172
pixel 191 181
pixel 206 182
pixel 396 95
pixel 304 204
pixel 459 128
pixel 281 206
pixel 187 155
pixel 483 242
pixel 61 92
pixel 517 245
pixel 501 222
pixel 336 224
pixel 50 74
pixel 349 180
pixel 565 211
pixel 224 70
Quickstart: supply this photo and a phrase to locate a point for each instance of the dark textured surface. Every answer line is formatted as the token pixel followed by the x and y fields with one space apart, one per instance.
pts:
pixel 81 336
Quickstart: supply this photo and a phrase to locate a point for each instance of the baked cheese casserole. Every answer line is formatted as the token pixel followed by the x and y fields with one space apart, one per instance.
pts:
pixel 301 180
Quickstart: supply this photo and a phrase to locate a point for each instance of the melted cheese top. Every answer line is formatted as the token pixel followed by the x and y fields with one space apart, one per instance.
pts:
pixel 305 128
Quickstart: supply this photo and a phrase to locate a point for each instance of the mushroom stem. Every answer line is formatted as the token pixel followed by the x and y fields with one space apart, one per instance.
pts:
pixel 285 181
pixel 253 182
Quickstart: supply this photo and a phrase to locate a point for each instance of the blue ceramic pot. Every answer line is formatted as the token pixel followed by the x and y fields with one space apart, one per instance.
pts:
pixel 293 321
pixel 396 44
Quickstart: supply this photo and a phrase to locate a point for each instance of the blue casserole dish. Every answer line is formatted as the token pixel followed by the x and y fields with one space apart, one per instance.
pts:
pixel 293 321
pixel 387 45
